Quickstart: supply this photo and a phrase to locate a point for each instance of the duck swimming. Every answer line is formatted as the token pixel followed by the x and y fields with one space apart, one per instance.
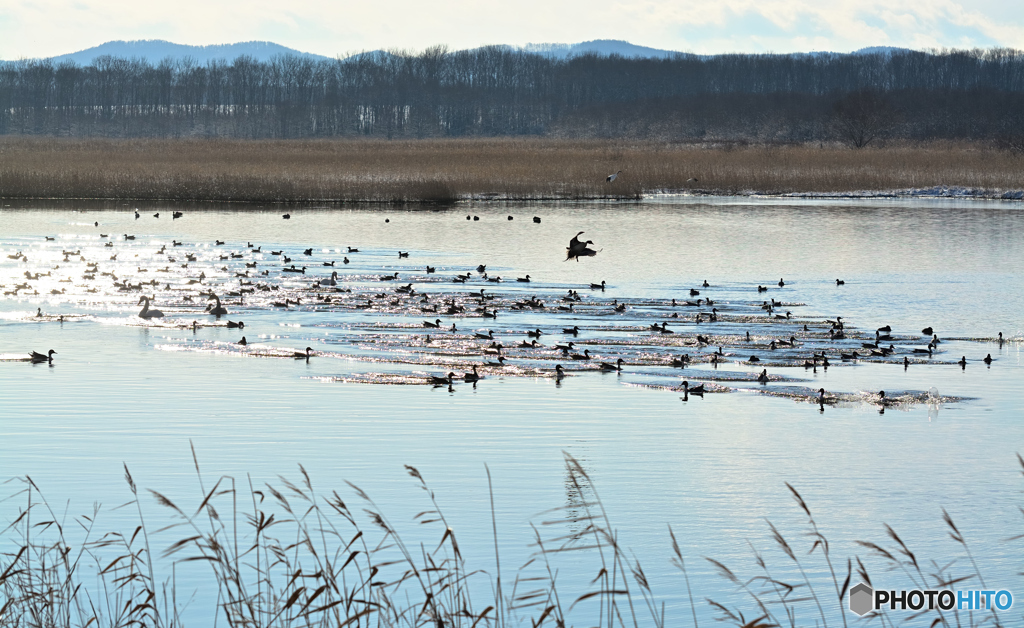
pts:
pixel 681 361
pixel 472 377
pixel 146 312
pixel 763 377
pixel 308 354
pixel 238 325
pixel 696 390
pixel 37 357
pixel 442 381
pixel 612 367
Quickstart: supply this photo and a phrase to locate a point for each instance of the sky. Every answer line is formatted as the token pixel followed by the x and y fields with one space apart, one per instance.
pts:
pixel 44 28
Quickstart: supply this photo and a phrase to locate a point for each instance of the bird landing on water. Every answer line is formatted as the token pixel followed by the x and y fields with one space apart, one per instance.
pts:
pixel 577 249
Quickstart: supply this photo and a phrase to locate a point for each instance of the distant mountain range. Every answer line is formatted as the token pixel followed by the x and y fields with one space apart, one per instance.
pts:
pixel 603 47
pixel 156 50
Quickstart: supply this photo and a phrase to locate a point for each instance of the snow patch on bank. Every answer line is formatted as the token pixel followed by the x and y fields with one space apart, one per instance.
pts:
pixel 939 191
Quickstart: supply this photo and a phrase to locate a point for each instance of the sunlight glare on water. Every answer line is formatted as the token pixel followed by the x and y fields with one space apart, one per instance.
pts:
pixel 122 390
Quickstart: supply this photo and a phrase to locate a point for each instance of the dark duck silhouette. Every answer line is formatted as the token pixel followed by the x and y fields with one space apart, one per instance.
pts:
pixel 37 357
pixel 578 249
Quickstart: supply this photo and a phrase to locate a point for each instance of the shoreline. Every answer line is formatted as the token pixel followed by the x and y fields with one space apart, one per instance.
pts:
pixel 446 172
pixel 936 193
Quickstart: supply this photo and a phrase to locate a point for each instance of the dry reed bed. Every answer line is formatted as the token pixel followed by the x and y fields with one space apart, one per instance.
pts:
pixel 448 170
pixel 302 558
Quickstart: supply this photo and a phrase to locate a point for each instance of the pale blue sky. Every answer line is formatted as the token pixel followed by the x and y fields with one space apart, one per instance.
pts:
pixel 41 28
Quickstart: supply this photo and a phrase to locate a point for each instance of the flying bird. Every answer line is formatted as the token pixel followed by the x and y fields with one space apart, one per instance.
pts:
pixel 578 249
pixel 612 177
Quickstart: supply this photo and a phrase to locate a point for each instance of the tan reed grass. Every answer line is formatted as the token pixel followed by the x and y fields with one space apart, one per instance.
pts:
pixel 448 170
pixel 303 558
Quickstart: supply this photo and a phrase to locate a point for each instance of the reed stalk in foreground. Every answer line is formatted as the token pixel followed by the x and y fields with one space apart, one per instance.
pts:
pixel 302 558
pixel 445 171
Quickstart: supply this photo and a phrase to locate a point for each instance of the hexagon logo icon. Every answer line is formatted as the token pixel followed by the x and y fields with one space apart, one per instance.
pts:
pixel 861 599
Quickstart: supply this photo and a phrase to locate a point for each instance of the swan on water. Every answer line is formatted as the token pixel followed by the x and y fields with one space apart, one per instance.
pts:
pixel 146 312
pixel 217 309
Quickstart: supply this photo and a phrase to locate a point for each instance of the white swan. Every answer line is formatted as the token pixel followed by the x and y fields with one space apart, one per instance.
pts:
pixel 217 309
pixel 333 281
pixel 146 312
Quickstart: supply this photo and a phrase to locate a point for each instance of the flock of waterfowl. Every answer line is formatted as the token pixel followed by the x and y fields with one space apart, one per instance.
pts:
pixel 440 326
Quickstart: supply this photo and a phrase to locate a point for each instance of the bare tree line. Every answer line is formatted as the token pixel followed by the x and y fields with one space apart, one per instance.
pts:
pixel 499 91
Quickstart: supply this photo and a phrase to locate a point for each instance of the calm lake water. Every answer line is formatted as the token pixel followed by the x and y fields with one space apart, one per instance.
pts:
pixel 124 391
